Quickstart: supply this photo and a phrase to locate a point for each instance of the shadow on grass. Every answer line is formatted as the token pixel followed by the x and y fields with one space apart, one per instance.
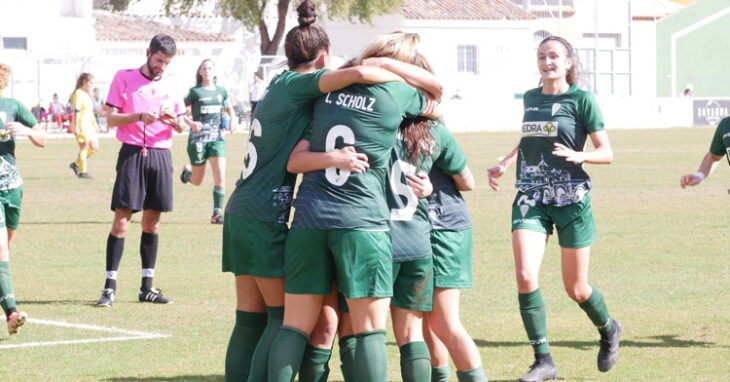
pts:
pixel 56 302
pixel 175 378
pixel 662 341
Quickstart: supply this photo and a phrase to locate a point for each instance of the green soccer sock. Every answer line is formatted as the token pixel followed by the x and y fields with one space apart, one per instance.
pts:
pixel 534 317
pixel 595 308
pixel 371 357
pixel 472 375
pixel 186 174
pixel 415 362
pixel 440 374
pixel 245 336
pixel 286 355
pixel 315 366
pixel 260 359
pixel 347 357
pixel 7 298
pixel 219 195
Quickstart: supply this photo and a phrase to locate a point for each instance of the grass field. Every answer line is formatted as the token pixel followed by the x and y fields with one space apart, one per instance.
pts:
pixel 661 261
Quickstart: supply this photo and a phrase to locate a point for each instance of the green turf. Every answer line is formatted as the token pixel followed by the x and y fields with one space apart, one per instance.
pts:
pixel 661 263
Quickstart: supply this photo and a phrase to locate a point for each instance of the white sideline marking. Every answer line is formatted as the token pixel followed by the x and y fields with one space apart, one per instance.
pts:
pixel 129 335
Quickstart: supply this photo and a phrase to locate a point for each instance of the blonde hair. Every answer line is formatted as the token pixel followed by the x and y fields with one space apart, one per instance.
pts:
pixel 4 76
pixel 400 46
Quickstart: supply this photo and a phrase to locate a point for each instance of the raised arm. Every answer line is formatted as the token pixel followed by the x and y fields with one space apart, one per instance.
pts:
pixel 301 160
pixel 413 75
pixel 602 153
pixel 497 171
pixel 341 78
pixel 707 166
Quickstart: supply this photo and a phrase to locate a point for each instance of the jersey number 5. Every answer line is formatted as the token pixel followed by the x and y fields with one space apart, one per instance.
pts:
pixel 333 174
pixel 398 171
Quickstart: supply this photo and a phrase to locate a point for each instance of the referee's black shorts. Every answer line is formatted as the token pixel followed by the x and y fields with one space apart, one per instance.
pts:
pixel 143 182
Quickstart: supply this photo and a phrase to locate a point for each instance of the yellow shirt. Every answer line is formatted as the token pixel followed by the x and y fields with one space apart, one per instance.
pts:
pixel 84 107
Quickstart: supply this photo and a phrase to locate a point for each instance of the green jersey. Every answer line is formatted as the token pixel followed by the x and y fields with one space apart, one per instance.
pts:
pixel 366 117
pixel 446 207
pixel 409 216
pixel 264 190
pixel 565 118
pixel 207 105
pixel 721 140
pixel 11 111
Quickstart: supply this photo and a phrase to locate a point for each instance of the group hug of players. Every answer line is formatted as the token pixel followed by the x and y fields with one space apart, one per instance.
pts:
pixel 380 225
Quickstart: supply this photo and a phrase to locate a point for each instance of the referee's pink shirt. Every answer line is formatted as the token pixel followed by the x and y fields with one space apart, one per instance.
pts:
pixel 131 92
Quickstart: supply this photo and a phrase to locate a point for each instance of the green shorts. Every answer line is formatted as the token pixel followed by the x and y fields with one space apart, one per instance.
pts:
pixel 452 258
pixel 360 261
pixel 10 211
pixel 413 285
pixel 200 152
pixel 576 227
pixel 252 247
pixel 342 303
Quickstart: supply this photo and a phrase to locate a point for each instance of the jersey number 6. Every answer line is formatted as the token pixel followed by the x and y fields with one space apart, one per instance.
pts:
pixel 333 174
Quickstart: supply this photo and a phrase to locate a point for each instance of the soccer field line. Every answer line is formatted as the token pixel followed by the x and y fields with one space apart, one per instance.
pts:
pixel 128 335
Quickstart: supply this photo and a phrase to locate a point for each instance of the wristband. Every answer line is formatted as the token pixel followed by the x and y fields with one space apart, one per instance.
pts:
pixel 700 175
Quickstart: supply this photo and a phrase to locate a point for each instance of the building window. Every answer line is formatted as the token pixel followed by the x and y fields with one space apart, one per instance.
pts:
pixel 466 59
pixel 15 43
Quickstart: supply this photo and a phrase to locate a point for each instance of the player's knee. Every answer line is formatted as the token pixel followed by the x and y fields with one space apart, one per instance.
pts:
pixel 578 293
pixel 526 280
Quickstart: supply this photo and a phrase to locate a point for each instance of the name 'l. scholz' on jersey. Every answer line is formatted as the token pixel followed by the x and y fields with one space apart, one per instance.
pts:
pixel 365 117
pixel 566 118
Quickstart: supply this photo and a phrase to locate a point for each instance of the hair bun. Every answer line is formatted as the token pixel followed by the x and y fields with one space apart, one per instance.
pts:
pixel 307 13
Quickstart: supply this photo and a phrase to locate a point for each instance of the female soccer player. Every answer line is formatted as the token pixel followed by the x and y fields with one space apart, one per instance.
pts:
pixel 340 225
pixel 15 121
pixel 553 189
pixel 451 243
pixel 206 101
pixel 84 125
pixel 720 146
pixel 257 212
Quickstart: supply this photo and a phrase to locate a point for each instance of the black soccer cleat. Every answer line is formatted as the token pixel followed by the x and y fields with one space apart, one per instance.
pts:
pixel 85 175
pixel 73 166
pixel 107 298
pixel 608 354
pixel 540 371
pixel 153 295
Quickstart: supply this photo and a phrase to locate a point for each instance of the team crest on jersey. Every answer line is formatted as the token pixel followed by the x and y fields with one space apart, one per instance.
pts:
pixel 540 128
pixel 555 109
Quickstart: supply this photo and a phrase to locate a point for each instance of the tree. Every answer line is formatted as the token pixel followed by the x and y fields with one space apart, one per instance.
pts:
pixel 251 12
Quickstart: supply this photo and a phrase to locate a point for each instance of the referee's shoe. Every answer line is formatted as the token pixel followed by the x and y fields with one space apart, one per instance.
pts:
pixel 153 295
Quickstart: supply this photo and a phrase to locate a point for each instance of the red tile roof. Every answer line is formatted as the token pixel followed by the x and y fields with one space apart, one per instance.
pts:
pixel 463 10
pixel 117 27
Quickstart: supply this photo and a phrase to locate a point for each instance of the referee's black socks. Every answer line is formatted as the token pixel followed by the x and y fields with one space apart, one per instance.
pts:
pixel 114 250
pixel 148 252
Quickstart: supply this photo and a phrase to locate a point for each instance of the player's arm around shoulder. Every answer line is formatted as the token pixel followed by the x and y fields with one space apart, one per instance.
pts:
pixel 302 160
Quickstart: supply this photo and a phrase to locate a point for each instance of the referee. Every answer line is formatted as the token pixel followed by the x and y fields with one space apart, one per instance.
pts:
pixel 145 107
